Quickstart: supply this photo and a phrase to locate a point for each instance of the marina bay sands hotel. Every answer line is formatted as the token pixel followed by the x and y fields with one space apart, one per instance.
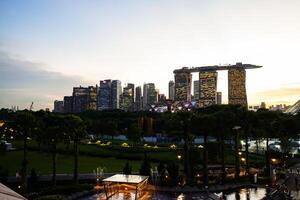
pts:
pixel 208 76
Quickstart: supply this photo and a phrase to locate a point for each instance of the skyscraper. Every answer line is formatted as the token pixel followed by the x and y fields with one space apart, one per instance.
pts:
pixel 171 90
pixel 219 98
pixel 116 92
pixel 84 98
pixel 104 95
pixel 138 98
pixel 237 86
pixel 207 87
pixel 149 95
pixel 196 90
pixel 183 85
pixel 58 106
pixel 68 104
pixel 127 98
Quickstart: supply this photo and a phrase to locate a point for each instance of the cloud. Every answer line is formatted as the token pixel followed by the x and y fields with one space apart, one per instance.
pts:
pixel 288 94
pixel 22 82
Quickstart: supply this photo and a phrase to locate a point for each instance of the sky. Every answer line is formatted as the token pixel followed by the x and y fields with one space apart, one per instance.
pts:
pixel 49 46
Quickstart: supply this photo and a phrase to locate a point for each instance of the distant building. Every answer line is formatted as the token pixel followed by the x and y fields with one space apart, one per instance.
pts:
pixel 161 99
pixel 219 98
pixel 263 105
pixel 138 98
pixel 237 86
pixel 196 90
pixel 68 104
pixel 127 98
pixel 149 96
pixel 116 92
pixel 171 90
pixel 183 85
pixel 207 88
pixel 84 98
pixel 104 95
pixel 58 106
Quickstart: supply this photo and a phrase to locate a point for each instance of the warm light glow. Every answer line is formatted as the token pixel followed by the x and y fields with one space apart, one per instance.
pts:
pixel 179 157
pixel 243 159
pixel 200 146
pixel 240 153
pixel 125 145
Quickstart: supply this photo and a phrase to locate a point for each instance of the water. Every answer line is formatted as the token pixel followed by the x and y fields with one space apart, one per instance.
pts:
pixel 245 194
pixel 242 194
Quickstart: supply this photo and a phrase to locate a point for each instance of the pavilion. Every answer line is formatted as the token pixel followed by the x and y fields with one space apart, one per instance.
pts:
pixel 121 183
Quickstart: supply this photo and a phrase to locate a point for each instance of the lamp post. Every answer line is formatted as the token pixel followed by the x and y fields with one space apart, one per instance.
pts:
pixel 237 156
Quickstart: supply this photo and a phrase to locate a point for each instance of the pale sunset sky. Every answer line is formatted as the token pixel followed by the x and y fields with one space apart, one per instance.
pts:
pixel 49 46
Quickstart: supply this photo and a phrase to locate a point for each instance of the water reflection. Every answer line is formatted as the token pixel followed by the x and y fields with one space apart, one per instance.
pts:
pixel 245 194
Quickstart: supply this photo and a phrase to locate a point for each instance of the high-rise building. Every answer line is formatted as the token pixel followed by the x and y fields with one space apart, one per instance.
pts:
pixel 58 106
pixel 183 85
pixel 68 104
pixel 219 98
pixel 208 88
pixel 161 99
pixel 149 95
pixel 237 86
pixel 116 92
pixel 196 90
pixel 104 95
pixel 127 98
pixel 138 98
pixel 171 90
pixel 84 98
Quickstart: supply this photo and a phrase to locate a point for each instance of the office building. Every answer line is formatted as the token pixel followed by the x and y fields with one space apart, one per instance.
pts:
pixel 58 106
pixel 149 95
pixel 138 98
pixel 127 98
pixel 171 90
pixel 196 90
pixel 219 98
pixel 104 95
pixel 84 98
pixel 116 92
pixel 68 104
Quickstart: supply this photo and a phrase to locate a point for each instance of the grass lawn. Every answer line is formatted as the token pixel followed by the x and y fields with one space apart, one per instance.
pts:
pixel 42 162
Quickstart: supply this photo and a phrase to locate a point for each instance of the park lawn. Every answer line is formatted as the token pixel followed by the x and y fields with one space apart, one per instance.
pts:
pixel 42 163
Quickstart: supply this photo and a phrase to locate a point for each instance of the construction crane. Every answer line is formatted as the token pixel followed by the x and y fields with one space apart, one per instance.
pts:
pixel 31 106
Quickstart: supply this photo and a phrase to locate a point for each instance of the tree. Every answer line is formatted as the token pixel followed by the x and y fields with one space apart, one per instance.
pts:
pixel 145 169
pixel 134 133
pixel 75 129
pixel 127 169
pixel 54 129
pixel 24 123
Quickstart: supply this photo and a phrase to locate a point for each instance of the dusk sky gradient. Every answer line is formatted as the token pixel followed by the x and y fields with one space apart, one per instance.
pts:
pixel 49 46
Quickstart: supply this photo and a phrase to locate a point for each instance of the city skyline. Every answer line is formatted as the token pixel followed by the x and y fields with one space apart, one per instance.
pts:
pixel 48 47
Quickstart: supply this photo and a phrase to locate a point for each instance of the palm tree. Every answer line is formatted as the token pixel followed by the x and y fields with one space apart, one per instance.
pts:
pixel 24 122
pixel 75 129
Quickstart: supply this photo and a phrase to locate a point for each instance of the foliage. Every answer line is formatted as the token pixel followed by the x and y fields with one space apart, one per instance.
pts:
pixel 127 169
pixel 145 167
